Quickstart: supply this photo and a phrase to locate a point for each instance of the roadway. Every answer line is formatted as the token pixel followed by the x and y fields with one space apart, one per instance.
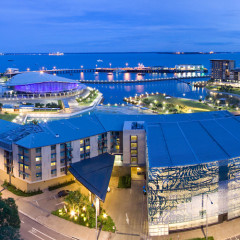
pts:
pixel 32 230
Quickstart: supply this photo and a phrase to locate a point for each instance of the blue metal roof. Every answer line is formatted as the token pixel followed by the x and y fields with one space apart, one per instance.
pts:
pixel 71 129
pixel 6 126
pixel 94 173
pixel 64 130
pixel 193 142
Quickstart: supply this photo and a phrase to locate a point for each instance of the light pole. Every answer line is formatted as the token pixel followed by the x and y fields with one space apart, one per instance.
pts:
pixel 207 216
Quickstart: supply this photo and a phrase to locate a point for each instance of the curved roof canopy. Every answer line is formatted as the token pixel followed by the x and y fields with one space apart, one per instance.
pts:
pixel 36 77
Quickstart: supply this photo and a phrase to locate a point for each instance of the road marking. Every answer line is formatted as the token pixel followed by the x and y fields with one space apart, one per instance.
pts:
pixel 35 235
pixel 34 231
pixel 60 203
pixel 127 219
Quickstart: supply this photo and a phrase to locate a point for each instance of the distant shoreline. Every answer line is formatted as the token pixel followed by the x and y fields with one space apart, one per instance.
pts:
pixel 175 53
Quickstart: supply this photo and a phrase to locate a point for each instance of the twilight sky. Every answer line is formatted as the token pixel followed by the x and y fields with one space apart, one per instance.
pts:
pixel 119 25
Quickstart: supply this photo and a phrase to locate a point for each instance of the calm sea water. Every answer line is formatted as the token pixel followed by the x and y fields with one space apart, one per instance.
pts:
pixel 114 93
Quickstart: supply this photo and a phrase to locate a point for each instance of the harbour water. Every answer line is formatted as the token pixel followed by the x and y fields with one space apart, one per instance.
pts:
pixel 114 93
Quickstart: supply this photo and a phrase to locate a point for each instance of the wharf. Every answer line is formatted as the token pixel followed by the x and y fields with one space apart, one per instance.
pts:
pixel 141 80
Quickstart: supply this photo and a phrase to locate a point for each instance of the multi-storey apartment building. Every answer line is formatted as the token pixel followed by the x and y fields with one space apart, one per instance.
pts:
pixel 189 158
pixel 220 69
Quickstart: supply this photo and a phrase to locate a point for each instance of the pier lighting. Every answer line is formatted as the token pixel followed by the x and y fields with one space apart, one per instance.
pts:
pixel 126 64
pixel 41 72
pixel 96 65
pixel 237 108
pixel 184 94
pixel 115 104
pixel 28 69
pixel 81 66
pixel 108 104
pixel 200 96
pixel 110 65
pixel 164 94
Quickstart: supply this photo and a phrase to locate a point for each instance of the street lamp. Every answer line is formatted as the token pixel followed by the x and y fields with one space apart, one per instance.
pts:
pixel 110 65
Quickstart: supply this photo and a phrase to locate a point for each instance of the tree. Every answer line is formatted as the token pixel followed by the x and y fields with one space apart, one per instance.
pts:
pixel 9 219
pixel 9 233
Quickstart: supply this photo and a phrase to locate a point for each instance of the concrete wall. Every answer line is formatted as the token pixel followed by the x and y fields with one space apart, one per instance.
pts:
pixel 93 146
pixel 76 151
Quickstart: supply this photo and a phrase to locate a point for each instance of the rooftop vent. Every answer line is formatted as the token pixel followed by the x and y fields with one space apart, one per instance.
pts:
pixel 57 135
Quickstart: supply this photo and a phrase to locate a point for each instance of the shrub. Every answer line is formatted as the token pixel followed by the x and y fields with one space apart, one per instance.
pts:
pixel 19 192
pixel 59 185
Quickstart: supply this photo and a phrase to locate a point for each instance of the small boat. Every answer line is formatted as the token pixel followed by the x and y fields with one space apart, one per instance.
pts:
pixel 99 60
pixel 10 60
pixel 141 74
pixel 110 73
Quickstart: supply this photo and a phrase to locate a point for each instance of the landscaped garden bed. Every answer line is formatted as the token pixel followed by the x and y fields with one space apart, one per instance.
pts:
pixel 19 192
pixel 79 210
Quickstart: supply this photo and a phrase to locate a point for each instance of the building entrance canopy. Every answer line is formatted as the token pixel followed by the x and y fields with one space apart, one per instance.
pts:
pixel 94 173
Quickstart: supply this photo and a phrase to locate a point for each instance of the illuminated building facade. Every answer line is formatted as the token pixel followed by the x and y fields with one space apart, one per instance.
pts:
pixel 43 83
pixel 220 69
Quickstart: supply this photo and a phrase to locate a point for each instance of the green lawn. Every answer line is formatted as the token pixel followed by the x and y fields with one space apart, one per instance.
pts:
pixel 8 117
pixel 174 105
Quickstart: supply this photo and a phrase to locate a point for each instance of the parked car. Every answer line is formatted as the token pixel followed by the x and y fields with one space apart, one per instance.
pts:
pixel 63 193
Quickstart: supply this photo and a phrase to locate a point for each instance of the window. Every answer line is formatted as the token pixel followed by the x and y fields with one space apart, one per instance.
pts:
pixel 88 147
pixel 53 163
pixel 38 159
pixel 81 149
pixel 53 155
pixel 38 166
pixel 53 147
pixel 133 159
pixel 62 146
pixel 134 152
pixel 133 145
pixel 81 141
pixel 87 154
pixel 26 167
pixel 53 171
pixel 62 160
pixel 26 150
pixel 117 147
pixel 38 150
pixel 38 175
pixel 62 154
pixel 21 157
pixel 62 169
pixel 133 138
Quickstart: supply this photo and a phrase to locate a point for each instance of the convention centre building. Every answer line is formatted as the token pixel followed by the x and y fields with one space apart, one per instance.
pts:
pixel 192 161
pixel 43 84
